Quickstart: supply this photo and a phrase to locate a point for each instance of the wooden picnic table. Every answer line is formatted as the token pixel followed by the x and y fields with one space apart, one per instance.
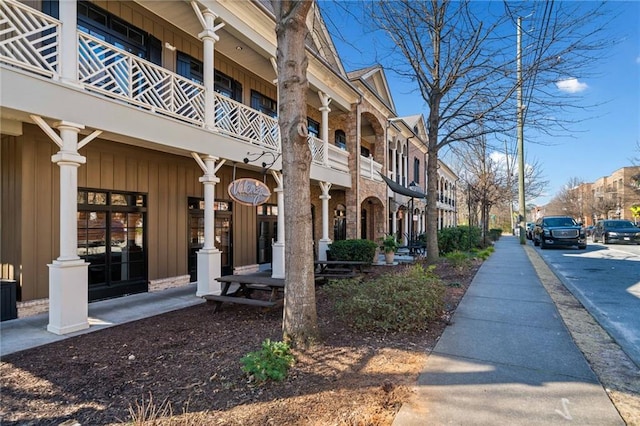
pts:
pixel 244 286
pixel 326 269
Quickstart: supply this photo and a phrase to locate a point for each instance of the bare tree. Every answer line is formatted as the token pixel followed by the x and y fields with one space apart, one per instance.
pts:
pixel 464 68
pixel 299 325
pixel 487 179
pixel 572 200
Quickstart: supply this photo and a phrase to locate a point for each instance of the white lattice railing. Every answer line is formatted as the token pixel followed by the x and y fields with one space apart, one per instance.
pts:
pixel 246 123
pixel 317 149
pixel 29 39
pixel 113 72
pixel 370 169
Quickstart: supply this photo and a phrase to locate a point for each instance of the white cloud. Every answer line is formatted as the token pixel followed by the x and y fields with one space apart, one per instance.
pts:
pixel 571 85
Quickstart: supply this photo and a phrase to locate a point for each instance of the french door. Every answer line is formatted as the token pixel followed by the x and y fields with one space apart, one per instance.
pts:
pixel 112 239
pixel 222 235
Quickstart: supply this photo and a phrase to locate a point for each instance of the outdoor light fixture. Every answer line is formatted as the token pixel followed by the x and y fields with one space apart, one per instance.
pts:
pixel 251 157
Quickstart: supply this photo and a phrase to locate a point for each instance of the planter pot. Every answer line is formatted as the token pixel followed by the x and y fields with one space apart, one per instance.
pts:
pixel 388 257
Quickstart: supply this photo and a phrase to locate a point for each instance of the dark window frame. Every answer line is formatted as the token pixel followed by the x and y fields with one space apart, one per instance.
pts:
pixel 264 104
pixel 340 139
pixel 313 127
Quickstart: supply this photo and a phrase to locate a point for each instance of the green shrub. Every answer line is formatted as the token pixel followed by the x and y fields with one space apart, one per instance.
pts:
pixel 485 253
pixel 356 250
pixel 458 259
pixel 271 362
pixel 462 238
pixel 495 234
pixel 403 302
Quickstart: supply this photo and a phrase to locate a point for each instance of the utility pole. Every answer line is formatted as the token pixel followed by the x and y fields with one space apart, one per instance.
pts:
pixel 509 185
pixel 520 124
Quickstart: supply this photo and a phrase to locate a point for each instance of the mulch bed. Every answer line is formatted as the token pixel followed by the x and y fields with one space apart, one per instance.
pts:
pixel 185 365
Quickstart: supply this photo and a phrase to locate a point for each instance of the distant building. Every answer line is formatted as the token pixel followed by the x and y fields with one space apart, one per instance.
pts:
pixel 614 195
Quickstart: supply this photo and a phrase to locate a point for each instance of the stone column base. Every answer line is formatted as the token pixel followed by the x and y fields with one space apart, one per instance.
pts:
pixel 277 260
pixel 68 296
pixel 323 246
pixel 209 268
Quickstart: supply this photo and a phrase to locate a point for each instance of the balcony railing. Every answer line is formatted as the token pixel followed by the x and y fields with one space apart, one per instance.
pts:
pixel 338 158
pixel 317 149
pixel 370 169
pixel 238 120
pixel 116 73
pixel 30 40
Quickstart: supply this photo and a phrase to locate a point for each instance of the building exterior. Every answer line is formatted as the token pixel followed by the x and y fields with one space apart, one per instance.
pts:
pixel 140 146
pixel 614 195
pixel 609 197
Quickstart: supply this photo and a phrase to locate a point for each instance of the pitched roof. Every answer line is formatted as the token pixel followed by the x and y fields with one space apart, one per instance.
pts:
pixel 374 79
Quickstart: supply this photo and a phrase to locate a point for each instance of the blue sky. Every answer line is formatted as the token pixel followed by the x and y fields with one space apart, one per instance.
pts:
pixel 608 135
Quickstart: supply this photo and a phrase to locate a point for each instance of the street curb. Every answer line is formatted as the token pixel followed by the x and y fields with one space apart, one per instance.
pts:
pixel 618 374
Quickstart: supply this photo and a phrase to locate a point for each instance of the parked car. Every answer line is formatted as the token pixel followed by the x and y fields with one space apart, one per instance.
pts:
pixel 616 231
pixel 558 231
pixel 589 230
pixel 529 230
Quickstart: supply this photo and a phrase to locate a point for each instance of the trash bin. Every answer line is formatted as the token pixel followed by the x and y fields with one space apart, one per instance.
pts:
pixel 8 307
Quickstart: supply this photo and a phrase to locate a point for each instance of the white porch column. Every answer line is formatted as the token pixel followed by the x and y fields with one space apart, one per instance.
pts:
pixel 405 233
pixel 323 244
pixel 69 42
pixel 277 253
pixel 325 100
pixel 394 166
pixel 209 257
pixel 405 160
pixel 68 275
pixel 209 39
pixel 394 221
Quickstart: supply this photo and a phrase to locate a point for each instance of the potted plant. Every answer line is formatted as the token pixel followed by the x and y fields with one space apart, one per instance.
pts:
pixel 389 246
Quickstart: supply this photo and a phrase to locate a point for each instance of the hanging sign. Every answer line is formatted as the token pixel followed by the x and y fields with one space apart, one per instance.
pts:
pixel 249 192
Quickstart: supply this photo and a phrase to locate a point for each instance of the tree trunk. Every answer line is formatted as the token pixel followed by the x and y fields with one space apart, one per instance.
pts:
pixel 433 252
pixel 299 324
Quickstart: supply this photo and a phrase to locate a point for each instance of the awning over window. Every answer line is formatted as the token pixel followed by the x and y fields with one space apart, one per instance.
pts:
pixel 399 189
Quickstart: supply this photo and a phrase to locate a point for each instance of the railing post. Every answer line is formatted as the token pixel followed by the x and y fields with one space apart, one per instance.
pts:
pixel 69 42
pixel 371 166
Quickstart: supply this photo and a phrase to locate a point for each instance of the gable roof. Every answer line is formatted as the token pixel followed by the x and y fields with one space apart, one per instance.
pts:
pixel 319 40
pixel 418 124
pixel 374 79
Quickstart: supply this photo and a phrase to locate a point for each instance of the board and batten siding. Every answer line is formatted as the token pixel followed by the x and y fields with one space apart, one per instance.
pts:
pixel 10 207
pixel 30 231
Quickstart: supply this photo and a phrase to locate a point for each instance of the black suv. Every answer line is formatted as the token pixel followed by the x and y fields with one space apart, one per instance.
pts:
pixel 558 231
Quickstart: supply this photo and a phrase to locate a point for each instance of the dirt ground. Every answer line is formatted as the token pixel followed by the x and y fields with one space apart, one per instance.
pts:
pixel 187 363
pixel 183 368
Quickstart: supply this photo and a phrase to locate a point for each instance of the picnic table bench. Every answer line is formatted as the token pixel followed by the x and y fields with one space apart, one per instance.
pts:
pixel 244 286
pixel 338 269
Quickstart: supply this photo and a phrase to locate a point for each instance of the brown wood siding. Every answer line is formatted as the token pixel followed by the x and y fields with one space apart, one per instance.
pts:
pixel 167 179
pixel 10 208
pixel 39 212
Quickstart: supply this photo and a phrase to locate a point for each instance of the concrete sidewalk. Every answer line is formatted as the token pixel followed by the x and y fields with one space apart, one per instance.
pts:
pixel 29 332
pixel 508 358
